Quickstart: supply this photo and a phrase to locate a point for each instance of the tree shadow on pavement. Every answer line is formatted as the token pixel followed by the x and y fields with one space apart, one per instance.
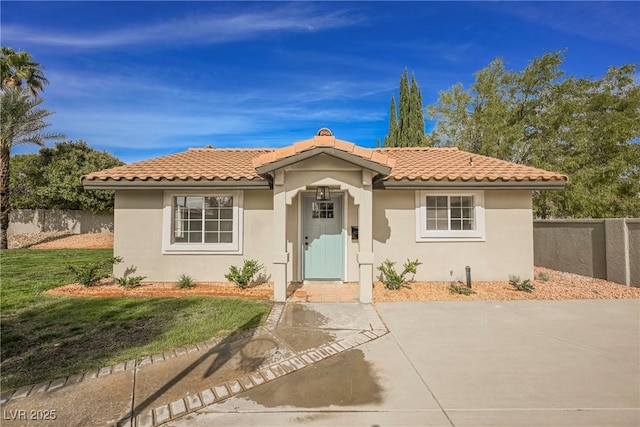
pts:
pixel 223 351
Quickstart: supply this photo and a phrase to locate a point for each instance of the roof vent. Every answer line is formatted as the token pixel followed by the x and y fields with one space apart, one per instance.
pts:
pixel 324 132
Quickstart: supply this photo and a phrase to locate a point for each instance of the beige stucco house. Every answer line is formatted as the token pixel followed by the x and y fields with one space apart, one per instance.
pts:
pixel 324 209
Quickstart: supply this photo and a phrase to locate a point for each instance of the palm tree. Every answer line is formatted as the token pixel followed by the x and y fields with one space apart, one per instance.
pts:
pixel 21 123
pixel 17 68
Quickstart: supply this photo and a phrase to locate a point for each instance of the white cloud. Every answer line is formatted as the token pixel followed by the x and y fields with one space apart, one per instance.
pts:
pixel 198 29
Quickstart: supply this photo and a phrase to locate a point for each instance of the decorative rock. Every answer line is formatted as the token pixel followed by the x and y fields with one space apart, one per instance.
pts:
pixel 39 388
pixel 277 369
pixel 297 363
pixel 119 367
pixel 5 396
pixel 221 391
pixel 322 353
pixel 145 420
pixel 329 350
pixel 90 375
pixel 315 356
pixel 178 407
pixel 268 374
pixel 235 387
pixel 162 414
pixel 56 384
pixel 104 371
pixel 287 366
pixel 146 360
pixel 193 401
pixel 21 392
pixel 207 397
pixel 257 378
pixel 337 347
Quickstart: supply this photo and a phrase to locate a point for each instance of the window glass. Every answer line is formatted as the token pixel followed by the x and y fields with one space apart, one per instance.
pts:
pixel 322 210
pixel 449 213
pixel 199 219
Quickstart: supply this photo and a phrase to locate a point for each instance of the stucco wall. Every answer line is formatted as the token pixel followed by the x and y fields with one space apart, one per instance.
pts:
pixel 603 248
pixel 561 245
pixel 75 222
pixel 507 249
pixel 138 238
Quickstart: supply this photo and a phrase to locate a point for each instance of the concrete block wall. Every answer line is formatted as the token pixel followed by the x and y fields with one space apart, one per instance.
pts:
pixel 602 248
pixel 75 222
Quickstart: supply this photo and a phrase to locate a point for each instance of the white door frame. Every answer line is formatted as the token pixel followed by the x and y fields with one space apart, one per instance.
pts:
pixel 345 208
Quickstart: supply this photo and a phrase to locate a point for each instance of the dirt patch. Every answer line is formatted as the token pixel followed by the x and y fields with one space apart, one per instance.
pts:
pixel 61 240
pixel 219 289
pixel 559 286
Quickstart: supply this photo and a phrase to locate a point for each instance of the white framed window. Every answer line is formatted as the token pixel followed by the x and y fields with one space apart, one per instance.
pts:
pixel 202 222
pixel 449 215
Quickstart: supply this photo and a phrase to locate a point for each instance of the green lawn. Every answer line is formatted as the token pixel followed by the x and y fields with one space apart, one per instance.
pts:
pixel 46 337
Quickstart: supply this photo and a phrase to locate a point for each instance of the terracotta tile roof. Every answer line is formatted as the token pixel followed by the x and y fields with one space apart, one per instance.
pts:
pixel 196 163
pixel 409 163
pixel 451 164
pixel 323 141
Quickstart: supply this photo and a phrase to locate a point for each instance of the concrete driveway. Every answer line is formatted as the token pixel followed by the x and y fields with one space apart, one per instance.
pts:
pixel 480 363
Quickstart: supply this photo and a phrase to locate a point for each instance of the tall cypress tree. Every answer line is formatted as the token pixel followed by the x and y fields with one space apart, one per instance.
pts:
pixel 406 123
pixel 404 133
pixel 391 140
pixel 416 118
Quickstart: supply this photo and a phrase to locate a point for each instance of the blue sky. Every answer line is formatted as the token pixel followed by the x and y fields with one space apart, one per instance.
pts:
pixel 143 79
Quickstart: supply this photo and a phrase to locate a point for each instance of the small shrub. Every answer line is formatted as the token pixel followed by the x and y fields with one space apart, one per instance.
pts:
pixel 130 281
pixel 391 279
pixel 460 288
pixel 525 286
pixel 90 274
pixel 243 276
pixel 185 281
pixel 542 276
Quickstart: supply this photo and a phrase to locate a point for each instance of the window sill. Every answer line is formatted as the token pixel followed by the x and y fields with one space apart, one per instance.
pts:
pixel 451 238
pixel 201 249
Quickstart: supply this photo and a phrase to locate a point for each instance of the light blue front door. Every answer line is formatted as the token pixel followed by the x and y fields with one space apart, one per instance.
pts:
pixel 322 239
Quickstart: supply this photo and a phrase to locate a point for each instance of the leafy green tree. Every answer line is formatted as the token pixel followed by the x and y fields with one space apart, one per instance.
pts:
pixel 586 128
pixel 22 123
pixel 406 122
pixel 51 179
pixel 18 68
pixel 24 181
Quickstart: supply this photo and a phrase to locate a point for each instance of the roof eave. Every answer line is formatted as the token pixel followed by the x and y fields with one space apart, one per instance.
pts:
pixel 407 184
pixel 337 153
pixel 175 184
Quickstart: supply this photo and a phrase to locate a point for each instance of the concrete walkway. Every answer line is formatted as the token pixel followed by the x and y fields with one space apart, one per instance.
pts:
pixel 477 363
pixel 173 384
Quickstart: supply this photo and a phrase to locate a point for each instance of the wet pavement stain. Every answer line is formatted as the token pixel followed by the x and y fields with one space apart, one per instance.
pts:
pixel 300 328
pixel 304 339
pixel 343 380
pixel 299 315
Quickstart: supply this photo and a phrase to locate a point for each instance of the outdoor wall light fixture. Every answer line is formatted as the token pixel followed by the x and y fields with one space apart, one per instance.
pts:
pixel 323 194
